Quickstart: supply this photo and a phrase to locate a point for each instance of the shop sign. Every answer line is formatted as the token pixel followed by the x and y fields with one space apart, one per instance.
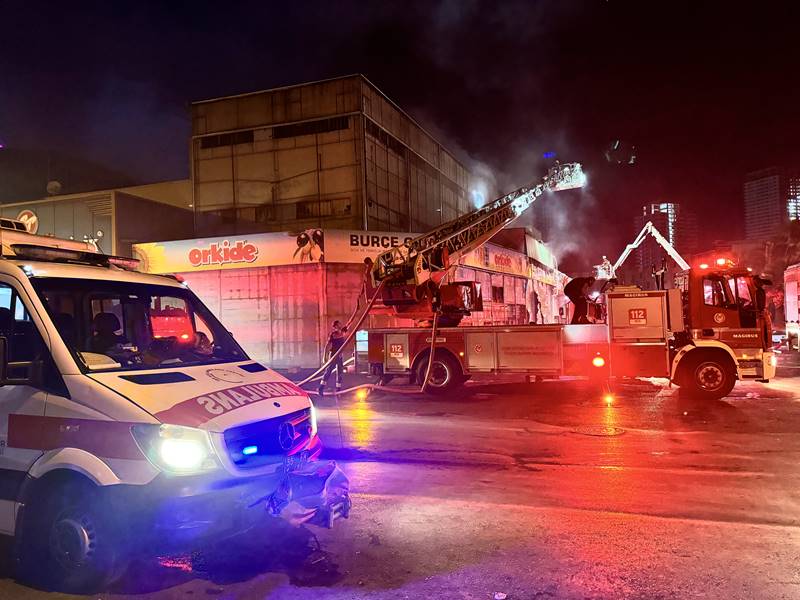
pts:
pixel 266 250
pixel 500 260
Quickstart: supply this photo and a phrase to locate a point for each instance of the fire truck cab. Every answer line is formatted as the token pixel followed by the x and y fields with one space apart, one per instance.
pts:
pixel 791 304
pixel 132 422
pixel 727 333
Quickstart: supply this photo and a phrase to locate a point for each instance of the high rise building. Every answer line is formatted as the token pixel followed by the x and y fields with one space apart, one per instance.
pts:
pixel 677 224
pixel 771 199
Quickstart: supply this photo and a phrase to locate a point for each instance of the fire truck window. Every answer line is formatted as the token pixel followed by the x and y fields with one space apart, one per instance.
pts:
pixel 714 293
pixel 742 292
pixel 170 317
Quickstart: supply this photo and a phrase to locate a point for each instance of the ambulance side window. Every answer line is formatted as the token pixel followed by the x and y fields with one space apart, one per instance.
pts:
pixel 25 343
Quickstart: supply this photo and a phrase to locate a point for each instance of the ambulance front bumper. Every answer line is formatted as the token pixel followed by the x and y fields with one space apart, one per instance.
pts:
pixel 179 513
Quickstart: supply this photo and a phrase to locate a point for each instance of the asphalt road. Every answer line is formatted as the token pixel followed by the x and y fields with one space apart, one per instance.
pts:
pixel 534 491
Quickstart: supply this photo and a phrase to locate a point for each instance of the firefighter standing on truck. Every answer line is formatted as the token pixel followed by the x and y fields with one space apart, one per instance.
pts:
pixel 335 341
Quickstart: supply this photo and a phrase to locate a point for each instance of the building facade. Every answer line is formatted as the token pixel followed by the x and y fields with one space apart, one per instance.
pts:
pixel 115 219
pixel 336 153
pixel 771 199
pixel 279 292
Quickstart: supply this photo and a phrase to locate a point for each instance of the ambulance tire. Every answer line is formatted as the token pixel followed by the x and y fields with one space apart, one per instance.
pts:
pixel 446 374
pixel 707 376
pixel 69 542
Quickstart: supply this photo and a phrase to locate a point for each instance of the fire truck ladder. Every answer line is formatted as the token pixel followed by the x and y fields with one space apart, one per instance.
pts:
pixel 419 259
pixel 650 229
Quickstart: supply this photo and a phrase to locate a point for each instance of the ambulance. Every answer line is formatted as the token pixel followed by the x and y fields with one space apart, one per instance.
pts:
pixel 131 421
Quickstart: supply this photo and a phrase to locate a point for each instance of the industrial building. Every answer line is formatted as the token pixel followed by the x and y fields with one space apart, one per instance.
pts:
pixel 336 153
pixel 113 218
pixel 771 199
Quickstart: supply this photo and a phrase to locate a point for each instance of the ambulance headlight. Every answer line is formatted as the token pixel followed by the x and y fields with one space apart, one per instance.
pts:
pixel 179 450
pixel 313 420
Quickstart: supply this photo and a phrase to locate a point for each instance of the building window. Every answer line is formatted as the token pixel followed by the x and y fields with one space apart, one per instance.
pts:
pixel 497 294
pixel 227 139
pixel 310 128
pixel 323 208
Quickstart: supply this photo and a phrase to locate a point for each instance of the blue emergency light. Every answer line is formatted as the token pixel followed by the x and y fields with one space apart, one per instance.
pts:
pixel 248 450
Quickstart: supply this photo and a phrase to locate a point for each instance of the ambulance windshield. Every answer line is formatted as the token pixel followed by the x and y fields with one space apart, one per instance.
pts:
pixel 122 325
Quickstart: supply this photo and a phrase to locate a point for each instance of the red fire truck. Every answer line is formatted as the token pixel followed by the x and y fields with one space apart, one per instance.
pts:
pixel 791 303
pixel 704 334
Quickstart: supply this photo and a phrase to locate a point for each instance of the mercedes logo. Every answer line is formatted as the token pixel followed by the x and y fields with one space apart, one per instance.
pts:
pixel 286 435
pixel 225 375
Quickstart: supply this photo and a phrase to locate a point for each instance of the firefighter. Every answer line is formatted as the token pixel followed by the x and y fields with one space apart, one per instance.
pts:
pixel 335 341
pixel 577 291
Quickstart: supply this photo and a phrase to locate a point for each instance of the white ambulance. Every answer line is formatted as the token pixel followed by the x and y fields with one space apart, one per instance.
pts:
pixel 130 419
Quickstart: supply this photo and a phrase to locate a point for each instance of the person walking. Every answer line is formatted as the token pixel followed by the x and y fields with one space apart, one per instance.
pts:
pixel 335 341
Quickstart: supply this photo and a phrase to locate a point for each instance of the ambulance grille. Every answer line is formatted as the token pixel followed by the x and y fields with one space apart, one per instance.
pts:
pixel 267 442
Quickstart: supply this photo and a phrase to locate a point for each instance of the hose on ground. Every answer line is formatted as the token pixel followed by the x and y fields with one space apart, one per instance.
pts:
pixel 424 383
pixel 350 335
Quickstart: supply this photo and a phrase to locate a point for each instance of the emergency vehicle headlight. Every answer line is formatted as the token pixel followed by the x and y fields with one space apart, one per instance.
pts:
pixel 179 450
pixel 313 419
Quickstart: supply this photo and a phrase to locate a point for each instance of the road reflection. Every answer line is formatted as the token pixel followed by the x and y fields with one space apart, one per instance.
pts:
pixel 360 420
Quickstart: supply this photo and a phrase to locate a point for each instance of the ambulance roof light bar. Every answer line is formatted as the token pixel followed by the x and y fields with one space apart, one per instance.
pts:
pixel 64 255
pixel 649 228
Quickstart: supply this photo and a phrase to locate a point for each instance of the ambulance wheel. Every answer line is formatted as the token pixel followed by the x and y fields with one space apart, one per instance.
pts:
pixel 69 541
pixel 708 376
pixel 446 373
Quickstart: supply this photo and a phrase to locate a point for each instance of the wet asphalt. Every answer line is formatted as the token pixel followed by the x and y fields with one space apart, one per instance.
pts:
pixel 517 490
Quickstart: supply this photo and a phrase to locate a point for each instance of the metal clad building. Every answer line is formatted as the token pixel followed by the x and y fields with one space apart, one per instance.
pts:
pixel 335 152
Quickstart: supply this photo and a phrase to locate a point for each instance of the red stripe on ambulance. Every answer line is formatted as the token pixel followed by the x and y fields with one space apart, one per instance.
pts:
pixel 106 439
pixel 201 409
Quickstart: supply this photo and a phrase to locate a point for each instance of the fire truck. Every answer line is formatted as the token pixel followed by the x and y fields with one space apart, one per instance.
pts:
pixel 791 303
pixel 704 334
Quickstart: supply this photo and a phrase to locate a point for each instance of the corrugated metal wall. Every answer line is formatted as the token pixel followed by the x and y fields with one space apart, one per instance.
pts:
pixel 83 216
pixel 291 159
pixel 281 315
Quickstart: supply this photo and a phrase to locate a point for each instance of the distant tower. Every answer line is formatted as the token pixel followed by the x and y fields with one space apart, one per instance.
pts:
pixel 771 199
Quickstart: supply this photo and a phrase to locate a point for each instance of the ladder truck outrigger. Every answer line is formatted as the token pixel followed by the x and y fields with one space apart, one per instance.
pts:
pixel 703 335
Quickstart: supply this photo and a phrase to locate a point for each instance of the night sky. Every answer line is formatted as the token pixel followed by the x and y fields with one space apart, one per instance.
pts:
pixel 704 94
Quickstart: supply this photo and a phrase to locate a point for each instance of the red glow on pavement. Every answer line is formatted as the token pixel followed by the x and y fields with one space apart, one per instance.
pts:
pixel 182 563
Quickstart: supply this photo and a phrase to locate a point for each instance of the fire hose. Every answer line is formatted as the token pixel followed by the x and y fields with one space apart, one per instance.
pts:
pixel 350 335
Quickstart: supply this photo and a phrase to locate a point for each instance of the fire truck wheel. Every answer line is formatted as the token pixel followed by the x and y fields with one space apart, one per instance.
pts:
pixel 69 541
pixel 445 374
pixel 708 376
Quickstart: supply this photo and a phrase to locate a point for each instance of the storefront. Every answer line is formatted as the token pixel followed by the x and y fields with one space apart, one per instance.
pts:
pixel 279 292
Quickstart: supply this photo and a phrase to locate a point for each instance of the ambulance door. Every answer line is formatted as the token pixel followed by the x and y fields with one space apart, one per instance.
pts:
pixel 22 405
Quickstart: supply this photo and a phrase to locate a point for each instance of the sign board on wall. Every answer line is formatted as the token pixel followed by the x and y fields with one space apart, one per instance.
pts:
pixel 265 250
pixel 498 259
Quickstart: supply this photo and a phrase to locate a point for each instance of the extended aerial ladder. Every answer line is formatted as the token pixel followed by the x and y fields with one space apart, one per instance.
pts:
pixel 430 255
pixel 607 271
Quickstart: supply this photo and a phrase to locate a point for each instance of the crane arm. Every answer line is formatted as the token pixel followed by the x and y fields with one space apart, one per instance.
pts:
pixel 650 229
pixel 414 261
